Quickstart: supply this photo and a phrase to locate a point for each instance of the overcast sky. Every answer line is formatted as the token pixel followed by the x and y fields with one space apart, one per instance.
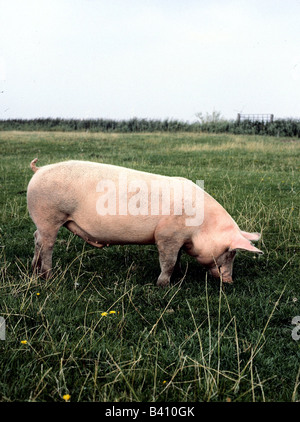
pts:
pixel 149 58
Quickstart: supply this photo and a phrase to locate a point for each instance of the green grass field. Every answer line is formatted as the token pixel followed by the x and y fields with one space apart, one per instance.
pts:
pixel 194 341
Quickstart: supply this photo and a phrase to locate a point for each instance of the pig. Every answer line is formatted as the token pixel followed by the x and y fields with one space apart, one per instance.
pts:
pixel 108 205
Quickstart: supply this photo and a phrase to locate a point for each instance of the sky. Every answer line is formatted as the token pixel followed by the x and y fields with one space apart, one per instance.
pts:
pixel 152 59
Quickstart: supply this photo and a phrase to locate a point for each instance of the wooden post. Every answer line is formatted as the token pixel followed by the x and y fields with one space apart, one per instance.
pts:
pixel 272 118
pixel 238 119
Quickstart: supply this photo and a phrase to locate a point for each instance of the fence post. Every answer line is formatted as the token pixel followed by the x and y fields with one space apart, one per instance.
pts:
pixel 238 119
pixel 272 118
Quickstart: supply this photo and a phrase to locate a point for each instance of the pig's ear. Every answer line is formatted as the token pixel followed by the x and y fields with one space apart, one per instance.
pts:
pixel 251 236
pixel 240 242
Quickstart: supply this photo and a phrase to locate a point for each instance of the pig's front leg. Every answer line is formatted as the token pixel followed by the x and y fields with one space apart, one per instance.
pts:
pixel 168 257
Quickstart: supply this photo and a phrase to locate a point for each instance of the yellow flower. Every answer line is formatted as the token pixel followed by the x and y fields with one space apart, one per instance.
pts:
pixel 112 312
pixel 66 397
pixel 24 341
pixel 104 314
pixel 164 382
pixel 38 294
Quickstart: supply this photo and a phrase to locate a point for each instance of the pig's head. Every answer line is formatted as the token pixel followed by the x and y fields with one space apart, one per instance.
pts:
pixel 222 266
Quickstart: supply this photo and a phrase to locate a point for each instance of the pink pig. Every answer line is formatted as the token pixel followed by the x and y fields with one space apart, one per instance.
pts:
pixel 106 204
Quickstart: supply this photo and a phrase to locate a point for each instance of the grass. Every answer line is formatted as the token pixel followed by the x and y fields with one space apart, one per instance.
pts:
pixel 194 341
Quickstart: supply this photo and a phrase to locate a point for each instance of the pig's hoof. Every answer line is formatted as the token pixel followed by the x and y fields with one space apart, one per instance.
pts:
pixel 46 274
pixel 161 282
pixel 227 281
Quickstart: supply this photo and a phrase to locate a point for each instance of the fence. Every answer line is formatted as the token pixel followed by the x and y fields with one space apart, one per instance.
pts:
pixel 255 117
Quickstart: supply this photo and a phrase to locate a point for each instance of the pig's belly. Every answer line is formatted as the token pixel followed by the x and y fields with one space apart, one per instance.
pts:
pixel 116 229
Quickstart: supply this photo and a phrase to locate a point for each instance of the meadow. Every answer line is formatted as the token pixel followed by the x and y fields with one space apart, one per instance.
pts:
pixel 100 329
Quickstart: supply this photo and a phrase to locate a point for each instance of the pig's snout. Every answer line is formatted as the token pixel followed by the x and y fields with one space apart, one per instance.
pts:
pixel 227 279
pixel 217 273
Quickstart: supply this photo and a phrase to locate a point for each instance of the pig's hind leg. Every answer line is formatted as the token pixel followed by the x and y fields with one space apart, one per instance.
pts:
pixel 48 221
pixel 44 238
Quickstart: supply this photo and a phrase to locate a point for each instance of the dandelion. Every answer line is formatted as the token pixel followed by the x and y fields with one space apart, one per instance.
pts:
pixel 104 314
pixel 164 382
pixel 38 294
pixel 112 312
pixel 66 397
pixel 24 341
